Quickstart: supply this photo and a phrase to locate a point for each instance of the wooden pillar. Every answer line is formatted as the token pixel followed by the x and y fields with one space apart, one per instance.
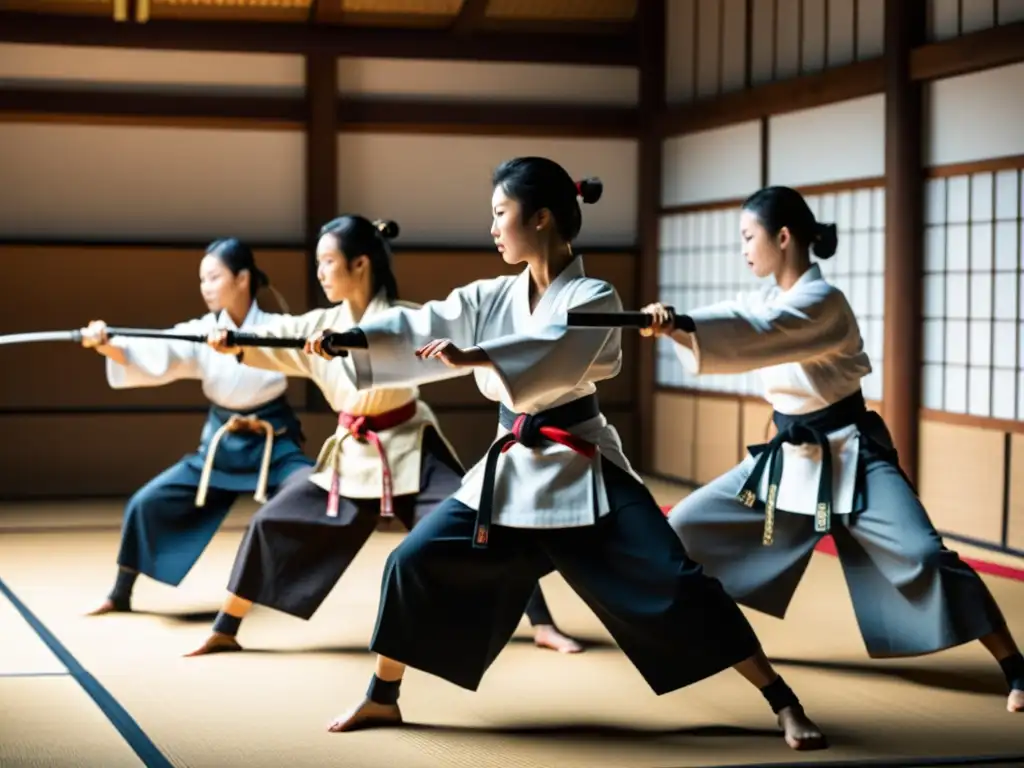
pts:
pixel 651 39
pixel 321 175
pixel 904 193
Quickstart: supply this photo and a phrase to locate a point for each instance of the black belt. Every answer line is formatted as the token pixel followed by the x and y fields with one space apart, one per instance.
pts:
pixel 531 430
pixel 801 430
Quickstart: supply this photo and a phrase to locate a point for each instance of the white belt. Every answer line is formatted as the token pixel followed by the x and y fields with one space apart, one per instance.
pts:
pixel 238 423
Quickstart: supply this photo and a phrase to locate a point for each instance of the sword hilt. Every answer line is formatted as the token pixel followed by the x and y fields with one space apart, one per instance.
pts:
pixel 625 320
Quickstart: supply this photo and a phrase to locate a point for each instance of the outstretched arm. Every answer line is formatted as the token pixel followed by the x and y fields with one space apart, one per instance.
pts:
pixel 137 362
pixel 396 336
pixel 746 334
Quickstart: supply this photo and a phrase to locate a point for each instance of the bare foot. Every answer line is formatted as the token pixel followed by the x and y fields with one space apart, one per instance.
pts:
pixel 1015 702
pixel 367 714
pixel 798 730
pixel 218 642
pixel 108 607
pixel 547 636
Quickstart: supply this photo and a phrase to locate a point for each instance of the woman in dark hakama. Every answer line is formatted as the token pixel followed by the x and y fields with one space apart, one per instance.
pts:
pixel 388 456
pixel 831 468
pixel 554 492
pixel 251 442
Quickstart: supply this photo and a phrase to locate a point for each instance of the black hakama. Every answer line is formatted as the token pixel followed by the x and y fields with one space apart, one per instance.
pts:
pixel 676 624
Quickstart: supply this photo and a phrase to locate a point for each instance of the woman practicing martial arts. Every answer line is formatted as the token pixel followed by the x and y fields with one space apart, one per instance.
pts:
pixel 554 492
pixel 252 440
pixel 755 527
pixel 387 457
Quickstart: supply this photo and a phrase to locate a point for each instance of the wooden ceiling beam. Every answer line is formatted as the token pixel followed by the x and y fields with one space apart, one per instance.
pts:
pixel 482 118
pixel 354 115
pixel 55 104
pixel 968 53
pixel 257 37
pixel 839 84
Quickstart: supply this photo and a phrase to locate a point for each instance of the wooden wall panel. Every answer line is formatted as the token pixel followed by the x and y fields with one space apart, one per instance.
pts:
pixel 70 66
pixel 756 425
pixel 1015 502
pixel 961 479
pixel 717 436
pixel 438 187
pixel 151 183
pixel 51 288
pixel 675 430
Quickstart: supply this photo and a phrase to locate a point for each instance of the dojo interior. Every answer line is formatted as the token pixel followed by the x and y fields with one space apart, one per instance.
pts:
pixel 134 132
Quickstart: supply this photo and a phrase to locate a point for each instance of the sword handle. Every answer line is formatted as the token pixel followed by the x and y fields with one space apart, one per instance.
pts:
pixel 625 320
pixel 242 339
pixel 339 343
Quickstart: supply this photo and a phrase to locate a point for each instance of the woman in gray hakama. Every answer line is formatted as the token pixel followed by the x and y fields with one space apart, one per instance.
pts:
pixel 755 527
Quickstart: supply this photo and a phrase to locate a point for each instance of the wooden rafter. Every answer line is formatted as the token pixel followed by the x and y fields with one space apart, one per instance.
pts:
pixel 353 114
pixel 258 37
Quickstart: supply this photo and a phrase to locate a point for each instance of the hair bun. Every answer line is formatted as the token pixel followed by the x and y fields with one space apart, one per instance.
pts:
pixel 262 281
pixel 826 240
pixel 590 189
pixel 387 228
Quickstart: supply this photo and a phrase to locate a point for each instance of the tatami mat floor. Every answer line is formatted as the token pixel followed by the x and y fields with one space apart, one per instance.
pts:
pixel 268 707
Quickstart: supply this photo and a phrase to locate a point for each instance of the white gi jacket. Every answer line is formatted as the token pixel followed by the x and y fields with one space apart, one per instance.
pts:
pixel 539 363
pixel 805 343
pixel 359 464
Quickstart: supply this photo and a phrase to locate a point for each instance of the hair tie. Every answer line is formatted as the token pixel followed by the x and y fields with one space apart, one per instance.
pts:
pixel 579 189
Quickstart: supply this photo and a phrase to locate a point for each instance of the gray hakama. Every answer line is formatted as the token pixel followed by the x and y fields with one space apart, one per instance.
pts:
pixel 911 594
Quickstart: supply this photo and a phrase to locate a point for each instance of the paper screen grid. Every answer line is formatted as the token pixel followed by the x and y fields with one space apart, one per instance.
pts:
pixel 972 321
pixel 701 262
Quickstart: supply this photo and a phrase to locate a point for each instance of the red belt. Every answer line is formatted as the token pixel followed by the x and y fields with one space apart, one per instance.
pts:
pixel 366 428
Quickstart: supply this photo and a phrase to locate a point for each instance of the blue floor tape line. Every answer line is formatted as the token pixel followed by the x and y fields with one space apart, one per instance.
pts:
pixel 148 752
pixel 33 674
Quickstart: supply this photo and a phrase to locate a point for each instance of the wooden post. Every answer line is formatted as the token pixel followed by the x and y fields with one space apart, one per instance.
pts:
pixel 321 175
pixel 651 39
pixel 904 193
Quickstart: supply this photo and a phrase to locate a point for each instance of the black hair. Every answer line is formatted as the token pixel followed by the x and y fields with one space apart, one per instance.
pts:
pixel 537 183
pixel 358 236
pixel 778 207
pixel 236 256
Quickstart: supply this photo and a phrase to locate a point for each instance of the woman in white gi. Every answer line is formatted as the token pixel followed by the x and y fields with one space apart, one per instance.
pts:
pixel 251 442
pixel 388 456
pixel 553 493
pixel 755 527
